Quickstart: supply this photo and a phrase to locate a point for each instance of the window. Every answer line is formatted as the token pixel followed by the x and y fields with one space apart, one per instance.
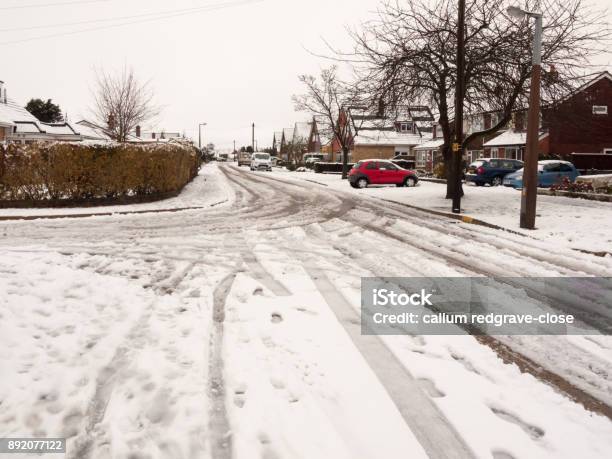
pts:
pixel 494 163
pixel 494 153
pixel 565 168
pixel 554 167
pixel 507 165
pixel 607 151
pixel 372 166
pixel 514 153
pixel 405 127
pixel 384 166
pixel 600 109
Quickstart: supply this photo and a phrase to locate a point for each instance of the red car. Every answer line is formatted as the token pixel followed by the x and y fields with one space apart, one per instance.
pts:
pixel 380 172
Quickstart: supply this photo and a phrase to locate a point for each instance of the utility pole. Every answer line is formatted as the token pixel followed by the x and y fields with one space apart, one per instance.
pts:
pixel 530 172
pixel 234 145
pixel 253 138
pixel 457 153
pixel 200 135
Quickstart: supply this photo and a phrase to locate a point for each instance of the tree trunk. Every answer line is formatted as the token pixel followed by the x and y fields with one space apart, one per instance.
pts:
pixel 345 152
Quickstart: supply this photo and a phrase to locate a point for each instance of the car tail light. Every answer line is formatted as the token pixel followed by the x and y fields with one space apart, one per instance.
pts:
pixel 480 170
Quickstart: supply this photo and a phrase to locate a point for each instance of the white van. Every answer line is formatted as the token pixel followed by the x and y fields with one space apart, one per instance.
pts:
pixel 261 161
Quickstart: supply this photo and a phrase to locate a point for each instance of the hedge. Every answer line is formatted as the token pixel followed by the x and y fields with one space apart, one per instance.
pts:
pixel 70 171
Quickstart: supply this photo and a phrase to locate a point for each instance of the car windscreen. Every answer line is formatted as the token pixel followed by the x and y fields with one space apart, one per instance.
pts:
pixel 357 165
pixel 477 164
pixel 262 156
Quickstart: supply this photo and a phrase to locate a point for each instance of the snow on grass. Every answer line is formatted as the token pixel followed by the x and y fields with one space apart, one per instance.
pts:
pixel 96 358
pixel 569 222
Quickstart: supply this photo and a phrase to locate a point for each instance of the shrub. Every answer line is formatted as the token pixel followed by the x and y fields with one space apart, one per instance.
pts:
pixel 439 170
pixel 580 187
pixel 72 171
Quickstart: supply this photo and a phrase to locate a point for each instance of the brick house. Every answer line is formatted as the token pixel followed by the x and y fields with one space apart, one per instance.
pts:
pixel 385 136
pixel 577 128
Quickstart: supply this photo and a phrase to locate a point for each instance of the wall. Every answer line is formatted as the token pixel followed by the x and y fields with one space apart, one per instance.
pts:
pixel 574 128
pixel 362 152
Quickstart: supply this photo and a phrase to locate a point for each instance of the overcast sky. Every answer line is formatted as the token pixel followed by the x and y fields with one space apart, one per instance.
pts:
pixel 228 67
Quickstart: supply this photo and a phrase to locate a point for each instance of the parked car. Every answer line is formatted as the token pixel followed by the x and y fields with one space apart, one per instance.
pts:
pixel 380 172
pixel 261 161
pixel 244 158
pixel 222 157
pixel 275 160
pixel 311 158
pixel 549 173
pixel 491 170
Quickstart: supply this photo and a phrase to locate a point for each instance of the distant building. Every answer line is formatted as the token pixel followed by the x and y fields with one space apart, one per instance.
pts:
pixel 384 136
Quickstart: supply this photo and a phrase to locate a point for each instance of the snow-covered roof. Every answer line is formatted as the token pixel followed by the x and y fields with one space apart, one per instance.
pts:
pixel 11 112
pixel 510 138
pixel 430 145
pixel 90 131
pixel 385 137
pixel 58 128
pixel 301 132
pixel 288 134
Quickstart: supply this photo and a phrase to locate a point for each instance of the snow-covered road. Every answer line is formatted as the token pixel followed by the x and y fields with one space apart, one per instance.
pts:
pixel 232 330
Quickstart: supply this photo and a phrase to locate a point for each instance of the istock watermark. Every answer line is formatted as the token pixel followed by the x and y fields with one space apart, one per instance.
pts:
pixel 486 306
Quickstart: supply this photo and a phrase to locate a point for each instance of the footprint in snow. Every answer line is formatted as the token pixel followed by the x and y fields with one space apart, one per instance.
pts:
pixel 258 292
pixel 276 318
pixel 533 431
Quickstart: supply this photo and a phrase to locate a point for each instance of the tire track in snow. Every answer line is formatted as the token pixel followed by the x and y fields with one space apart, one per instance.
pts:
pixel 436 435
pixel 220 431
pixel 105 383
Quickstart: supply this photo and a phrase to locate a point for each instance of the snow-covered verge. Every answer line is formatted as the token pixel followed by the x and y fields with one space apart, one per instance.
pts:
pixel 202 191
pixel 98 359
pixel 576 223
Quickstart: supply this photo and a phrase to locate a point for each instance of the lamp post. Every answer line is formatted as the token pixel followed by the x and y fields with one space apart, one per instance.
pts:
pixel 457 157
pixel 200 135
pixel 530 172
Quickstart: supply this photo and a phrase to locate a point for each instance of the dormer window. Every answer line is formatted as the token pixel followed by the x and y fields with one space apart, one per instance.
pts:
pixel 405 127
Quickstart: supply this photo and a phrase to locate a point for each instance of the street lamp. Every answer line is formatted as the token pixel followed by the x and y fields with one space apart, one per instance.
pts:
pixel 200 134
pixel 530 172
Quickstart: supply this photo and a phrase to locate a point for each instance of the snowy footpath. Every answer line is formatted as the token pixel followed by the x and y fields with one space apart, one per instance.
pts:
pixel 232 331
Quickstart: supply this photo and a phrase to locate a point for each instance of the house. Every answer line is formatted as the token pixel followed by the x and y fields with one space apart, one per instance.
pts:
pixel 17 125
pixel 387 135
pixel 428 154
pixel 276 141
pixel 152 136
pixel 286 143
pixel 576 128
pixel 91 132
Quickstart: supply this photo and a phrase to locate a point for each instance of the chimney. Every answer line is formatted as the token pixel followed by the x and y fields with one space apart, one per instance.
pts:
pixel 138 131
pixel 153 135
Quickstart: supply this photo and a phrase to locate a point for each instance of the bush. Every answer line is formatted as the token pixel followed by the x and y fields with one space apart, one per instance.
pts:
pixel 439 170
pixel 68 171
pixel 579 187
pixel 321 167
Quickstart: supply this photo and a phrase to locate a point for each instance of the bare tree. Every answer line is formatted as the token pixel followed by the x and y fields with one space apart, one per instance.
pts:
pixel 329 99
pixel 122 102
pixel 408 55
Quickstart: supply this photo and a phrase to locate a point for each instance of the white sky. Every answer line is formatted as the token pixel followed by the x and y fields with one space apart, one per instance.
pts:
pixel 228 67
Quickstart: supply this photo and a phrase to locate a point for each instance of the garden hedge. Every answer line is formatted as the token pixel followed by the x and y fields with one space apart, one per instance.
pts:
pixel 71 171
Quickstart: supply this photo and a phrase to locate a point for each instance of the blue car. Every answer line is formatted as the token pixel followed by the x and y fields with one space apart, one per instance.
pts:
pixel 491 171
pixel 549 173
